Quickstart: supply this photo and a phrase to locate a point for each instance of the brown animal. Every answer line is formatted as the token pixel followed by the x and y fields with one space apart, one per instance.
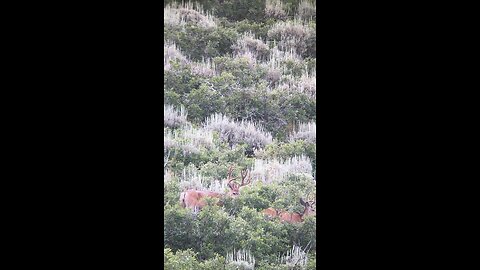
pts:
pixel 309 210
pixel 194 199
pixel 271 212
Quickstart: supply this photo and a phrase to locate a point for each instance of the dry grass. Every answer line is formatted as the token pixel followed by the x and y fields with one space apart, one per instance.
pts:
pixel 169 139
pixel 235 132
pixel 188 140
pixel 275 9
pixel 248 43
pixel 205 68
pixel 197 137
pixel 191 178
pixel 291 34
pixel 275 170
pixel 173 117
pixel 181 14
pixel 305 131
pixel 171 52
pixel 307 10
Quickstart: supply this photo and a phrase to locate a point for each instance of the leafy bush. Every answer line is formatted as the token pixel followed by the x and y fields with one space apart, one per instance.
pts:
pixel 198 42
pixel 186 260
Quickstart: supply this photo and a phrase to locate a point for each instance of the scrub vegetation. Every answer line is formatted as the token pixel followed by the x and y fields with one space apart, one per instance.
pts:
pixel 240 121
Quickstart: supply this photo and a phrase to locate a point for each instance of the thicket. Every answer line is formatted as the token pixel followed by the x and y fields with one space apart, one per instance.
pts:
pixel 239 89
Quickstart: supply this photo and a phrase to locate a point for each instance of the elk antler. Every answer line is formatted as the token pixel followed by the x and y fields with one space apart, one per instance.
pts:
pixel 229 177
pixel 310 200
pixel 246 173
pixel 165 159
pixel 302 202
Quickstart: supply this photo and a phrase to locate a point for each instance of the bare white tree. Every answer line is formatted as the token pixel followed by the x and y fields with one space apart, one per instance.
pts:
pixel 296 258
pixel 305 131
pixel 242 259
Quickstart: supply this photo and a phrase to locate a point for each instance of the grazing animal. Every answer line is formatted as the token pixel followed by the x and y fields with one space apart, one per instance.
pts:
pixel 309 210
pixel 195 199
pixel 271 212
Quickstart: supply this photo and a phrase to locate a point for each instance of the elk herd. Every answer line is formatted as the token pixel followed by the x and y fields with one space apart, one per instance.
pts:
pixel 195 199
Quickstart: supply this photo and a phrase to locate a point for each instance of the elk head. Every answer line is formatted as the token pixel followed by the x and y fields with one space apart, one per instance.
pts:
pixel 310 209
pixel 234 186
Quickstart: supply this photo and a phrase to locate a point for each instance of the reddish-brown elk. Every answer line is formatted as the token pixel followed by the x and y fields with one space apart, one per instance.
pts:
pixel 285 216
pixel 195 199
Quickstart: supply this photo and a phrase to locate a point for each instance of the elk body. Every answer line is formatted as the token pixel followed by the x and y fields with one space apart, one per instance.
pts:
pixel 271 212
pixel 195 199
pixel 292 217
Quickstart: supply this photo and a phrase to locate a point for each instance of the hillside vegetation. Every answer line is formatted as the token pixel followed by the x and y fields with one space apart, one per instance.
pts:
pixel 239 93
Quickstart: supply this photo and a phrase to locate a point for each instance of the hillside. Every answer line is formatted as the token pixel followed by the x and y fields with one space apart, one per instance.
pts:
pixel 240 102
